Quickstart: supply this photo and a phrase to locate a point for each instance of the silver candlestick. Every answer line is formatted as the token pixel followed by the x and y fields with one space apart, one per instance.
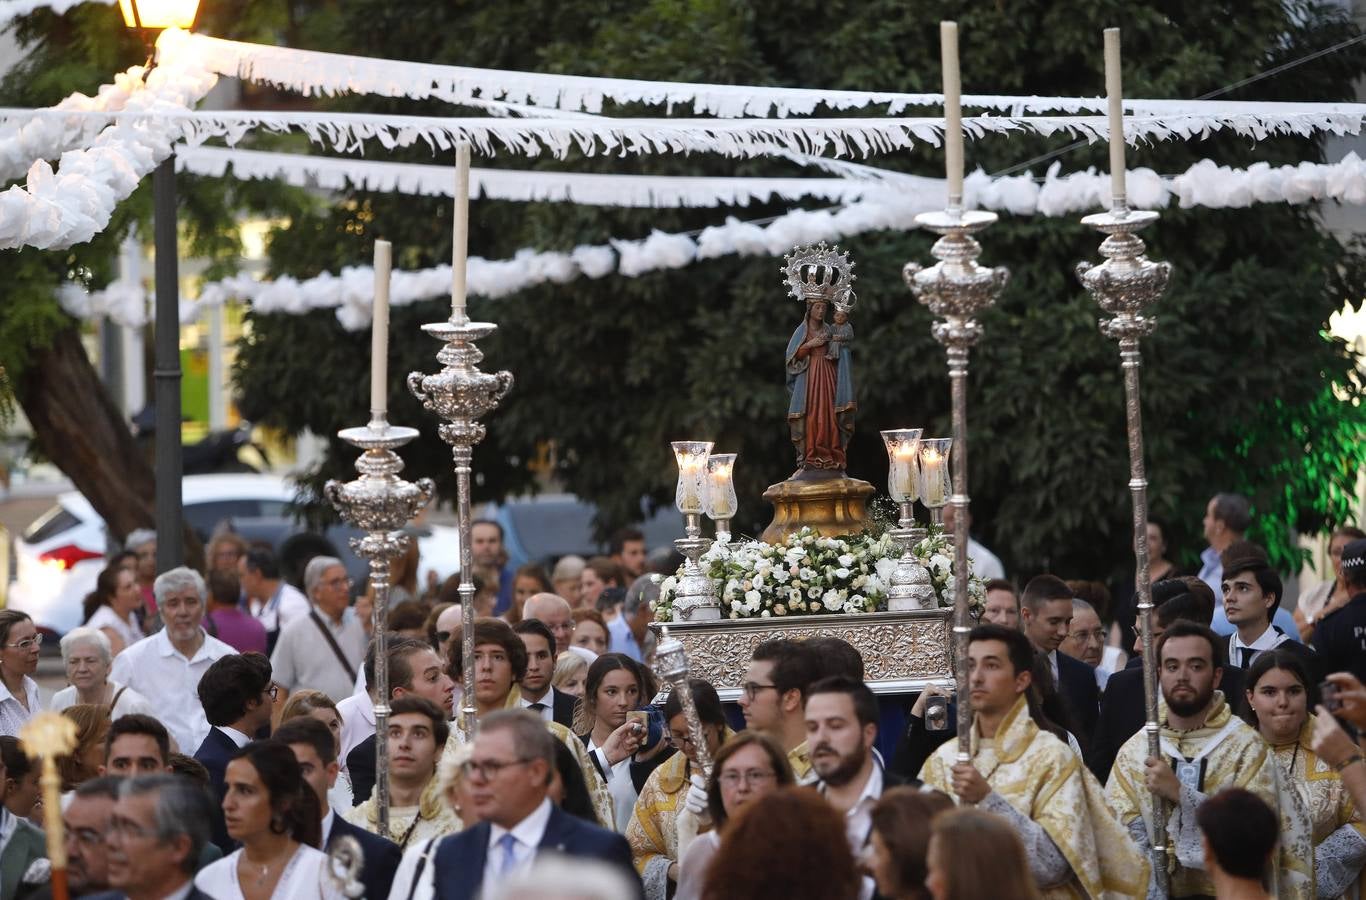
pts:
pixel 671 664
pixel 957 289
pixel 695 596
pixel 911 587
pixel 380 503
pixel 461 394
pixel 1125 285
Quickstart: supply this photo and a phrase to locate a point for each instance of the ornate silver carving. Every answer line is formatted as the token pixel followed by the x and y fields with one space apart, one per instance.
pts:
pixel 911 587
pixel 902 652
pixel 820 273
pixel 461 394
pixel 380 503
pixel 1126 284
pixel 671 664
pixel 345 862
pixel 695 597
pixel 956 289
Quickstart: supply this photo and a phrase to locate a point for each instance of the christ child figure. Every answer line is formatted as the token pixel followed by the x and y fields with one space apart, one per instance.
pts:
pixel 841 333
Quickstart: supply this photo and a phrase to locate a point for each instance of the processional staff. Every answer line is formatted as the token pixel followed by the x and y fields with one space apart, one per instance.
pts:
pixel 45 737
pixel 671 664
pixel 956 289
pixel 1126 284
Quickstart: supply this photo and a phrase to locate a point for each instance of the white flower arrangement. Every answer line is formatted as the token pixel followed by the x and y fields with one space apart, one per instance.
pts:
pixel 809 575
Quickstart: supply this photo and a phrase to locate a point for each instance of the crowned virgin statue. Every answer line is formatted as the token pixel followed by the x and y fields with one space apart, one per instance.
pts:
pixel 820 384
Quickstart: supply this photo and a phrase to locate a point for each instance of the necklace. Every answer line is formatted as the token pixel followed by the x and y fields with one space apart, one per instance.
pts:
pixel 253 867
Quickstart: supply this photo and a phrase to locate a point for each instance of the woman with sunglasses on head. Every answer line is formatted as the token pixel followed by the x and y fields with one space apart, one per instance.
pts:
pixel 20 644
pixel 1278 699
pixel 275 815
pixel 748 766
pixel 653 832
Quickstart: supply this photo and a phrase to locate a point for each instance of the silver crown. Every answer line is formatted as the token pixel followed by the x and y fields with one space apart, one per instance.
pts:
pixel 820 273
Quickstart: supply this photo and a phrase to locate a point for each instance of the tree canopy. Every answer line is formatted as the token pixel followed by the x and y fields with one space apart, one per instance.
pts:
pixel 1243 389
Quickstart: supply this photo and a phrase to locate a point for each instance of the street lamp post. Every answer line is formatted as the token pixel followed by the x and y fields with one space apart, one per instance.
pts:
pixel 149 18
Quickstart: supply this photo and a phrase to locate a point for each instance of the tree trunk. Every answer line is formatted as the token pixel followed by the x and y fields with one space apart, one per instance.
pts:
pixel 80 428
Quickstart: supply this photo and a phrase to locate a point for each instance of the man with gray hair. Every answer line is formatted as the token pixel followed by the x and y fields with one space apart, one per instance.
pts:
pixel 142 542
pixel 166 667
pixel 630 632
pixel 157 830
pixel 508 776
pixel 322 650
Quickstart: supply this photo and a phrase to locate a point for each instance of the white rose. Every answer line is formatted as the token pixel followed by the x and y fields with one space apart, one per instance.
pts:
pixel 846 560
pixel 885 568
pixel 832 601
pixel 874 585
pixel 841 572
pixel 780 575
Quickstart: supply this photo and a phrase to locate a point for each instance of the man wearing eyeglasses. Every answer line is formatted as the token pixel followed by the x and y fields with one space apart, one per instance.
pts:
pixel 323 649
pixel 236 693
pixel 774 691
pixel 157 831
pixel 86 819
pixel 508 776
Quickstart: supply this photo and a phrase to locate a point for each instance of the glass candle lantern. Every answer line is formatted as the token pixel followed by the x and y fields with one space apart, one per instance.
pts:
pixel 903 451
pixel 935 481
pixel 692 471
pixel 720 488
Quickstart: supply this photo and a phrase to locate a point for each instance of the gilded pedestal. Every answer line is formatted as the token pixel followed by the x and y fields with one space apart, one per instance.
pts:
pixel 830 506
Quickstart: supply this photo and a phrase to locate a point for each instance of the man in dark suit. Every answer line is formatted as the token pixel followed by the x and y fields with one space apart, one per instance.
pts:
pixel 316 750
pixel 1045 614
pixel 236 693
pixel 508 774
pixel 1122 709
pixel 414 670
pixel 1252 594
pixel 537 694
pixel 158 829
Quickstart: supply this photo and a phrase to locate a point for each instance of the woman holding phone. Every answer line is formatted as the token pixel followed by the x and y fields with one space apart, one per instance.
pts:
pixel 1278 694
pixel 616 731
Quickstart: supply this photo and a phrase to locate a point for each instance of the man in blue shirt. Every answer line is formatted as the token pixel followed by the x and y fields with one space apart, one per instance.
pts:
pixel 1227 517
pixel 630 632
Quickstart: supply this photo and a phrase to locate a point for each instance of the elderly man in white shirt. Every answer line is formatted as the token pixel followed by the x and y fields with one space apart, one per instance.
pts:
pixel 323 650
pixel 168 665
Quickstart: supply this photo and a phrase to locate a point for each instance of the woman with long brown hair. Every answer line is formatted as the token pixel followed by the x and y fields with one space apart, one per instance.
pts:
pixel 618 686
pixel 113 606
pixel 900 841
pixel 83 763
pixel 975 854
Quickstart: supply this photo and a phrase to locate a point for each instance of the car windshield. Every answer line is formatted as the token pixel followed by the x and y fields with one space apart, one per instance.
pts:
pixel 50 524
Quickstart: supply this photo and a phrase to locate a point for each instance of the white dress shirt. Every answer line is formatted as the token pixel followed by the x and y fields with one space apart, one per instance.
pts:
pixel 285 607
pixel 241 739
pixel 547 710
pixel 528 834
pixel 155 668
pixel 858 822
pixel 328 819
pixel 13 716
pixel 303 658
pixel 358 722
pixel 1270 639
pixel 985 564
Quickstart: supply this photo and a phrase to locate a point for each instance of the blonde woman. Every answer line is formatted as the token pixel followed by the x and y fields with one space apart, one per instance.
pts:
pixel 318 705
pixel 571 670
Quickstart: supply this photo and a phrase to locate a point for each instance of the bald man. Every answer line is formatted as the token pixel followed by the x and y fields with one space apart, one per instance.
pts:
pixel 554 611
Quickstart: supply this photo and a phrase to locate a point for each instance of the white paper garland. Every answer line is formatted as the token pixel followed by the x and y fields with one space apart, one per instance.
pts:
pixel 311 72
pixel 55 209
pixel 48 137
pixel 1204 184
pixel 640 191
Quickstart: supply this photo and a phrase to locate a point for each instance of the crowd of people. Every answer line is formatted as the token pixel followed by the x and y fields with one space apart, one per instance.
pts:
pixel 226 741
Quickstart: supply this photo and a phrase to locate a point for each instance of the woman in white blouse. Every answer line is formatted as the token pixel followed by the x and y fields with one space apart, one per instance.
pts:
pixel 20 644
pixel 87 655
pixel 274 813
pixel 113 605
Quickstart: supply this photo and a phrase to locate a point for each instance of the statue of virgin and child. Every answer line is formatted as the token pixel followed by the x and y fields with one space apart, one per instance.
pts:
pixel 820 380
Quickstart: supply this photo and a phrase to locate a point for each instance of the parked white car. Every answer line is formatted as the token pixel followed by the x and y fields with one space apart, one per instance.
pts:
pixel 59 555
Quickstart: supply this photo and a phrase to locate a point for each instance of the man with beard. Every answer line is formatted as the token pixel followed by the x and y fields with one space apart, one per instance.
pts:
pixel 1205 748
pixel 841 728
pixel 1021 770
pixel 166 667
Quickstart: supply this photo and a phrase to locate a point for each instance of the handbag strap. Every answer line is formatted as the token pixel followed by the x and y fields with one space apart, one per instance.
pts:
pixel 113 704
pixel 332 642
pixel 421 864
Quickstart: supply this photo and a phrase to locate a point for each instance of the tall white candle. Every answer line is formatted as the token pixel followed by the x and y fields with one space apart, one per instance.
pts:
pixel 1114 90
pixel 460 228
pixel 379 336
pixel 953 112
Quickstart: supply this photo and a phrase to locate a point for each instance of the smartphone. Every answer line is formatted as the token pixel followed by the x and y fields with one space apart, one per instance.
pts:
pixel 1331 700
pixel 642 720
pixel 937 714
